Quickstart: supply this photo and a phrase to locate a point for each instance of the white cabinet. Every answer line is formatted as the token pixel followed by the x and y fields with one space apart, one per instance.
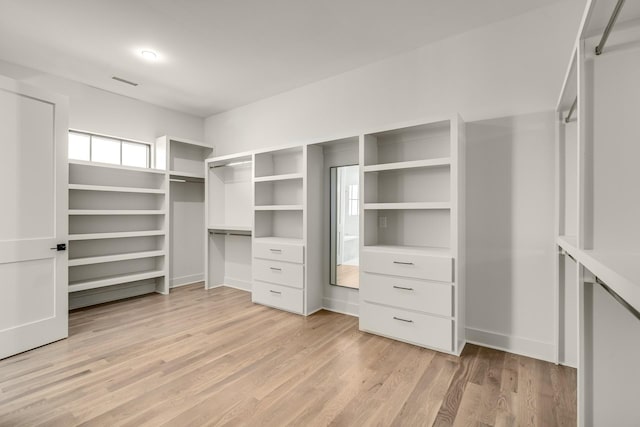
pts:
pixel 412 279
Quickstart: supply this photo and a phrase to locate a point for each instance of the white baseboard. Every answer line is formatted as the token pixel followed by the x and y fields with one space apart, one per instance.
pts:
pixel 242 285
pixel 111 293
pixel 517 345
pixel 342 307
pixel 186 280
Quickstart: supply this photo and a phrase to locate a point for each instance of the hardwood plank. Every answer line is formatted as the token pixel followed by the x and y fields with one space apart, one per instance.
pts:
pixel 199 357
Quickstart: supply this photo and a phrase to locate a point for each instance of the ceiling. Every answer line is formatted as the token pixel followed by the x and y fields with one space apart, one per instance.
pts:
pixel 215 55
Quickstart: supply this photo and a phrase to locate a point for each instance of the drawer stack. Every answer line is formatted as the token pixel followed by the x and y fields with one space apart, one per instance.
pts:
pixel 278 273
pixel 408 296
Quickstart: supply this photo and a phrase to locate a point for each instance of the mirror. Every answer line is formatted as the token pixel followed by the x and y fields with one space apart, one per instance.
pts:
pixel 345 226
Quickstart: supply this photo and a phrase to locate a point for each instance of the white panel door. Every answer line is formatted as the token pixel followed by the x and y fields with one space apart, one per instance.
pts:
pixel 33 217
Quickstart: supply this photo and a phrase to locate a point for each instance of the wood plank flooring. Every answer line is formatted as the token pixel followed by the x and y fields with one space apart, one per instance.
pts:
pixel 348 276
pixel 199 357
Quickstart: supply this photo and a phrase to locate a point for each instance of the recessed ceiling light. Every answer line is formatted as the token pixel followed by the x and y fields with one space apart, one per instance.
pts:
pixel 149 54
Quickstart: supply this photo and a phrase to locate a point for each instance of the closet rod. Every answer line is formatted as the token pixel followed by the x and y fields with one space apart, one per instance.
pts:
pixel 609 27
pixel 618 298
pixel 571 110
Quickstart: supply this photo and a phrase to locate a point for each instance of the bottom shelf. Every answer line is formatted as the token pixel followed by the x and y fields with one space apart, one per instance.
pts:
pixel 113 280
pixel 279 240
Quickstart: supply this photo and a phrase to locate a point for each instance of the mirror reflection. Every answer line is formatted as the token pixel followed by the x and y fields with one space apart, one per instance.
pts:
pixel 345 226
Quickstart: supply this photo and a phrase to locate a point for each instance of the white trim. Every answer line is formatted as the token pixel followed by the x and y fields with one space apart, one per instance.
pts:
pixel 517 345
pixel 242 285
pixel 339 306
pixel 176 282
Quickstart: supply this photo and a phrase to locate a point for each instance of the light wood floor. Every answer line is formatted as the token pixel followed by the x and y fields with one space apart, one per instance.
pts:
pixel 348 276
pixel 202 357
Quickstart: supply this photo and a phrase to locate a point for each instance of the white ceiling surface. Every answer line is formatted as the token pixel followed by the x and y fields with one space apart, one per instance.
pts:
pixel 216 55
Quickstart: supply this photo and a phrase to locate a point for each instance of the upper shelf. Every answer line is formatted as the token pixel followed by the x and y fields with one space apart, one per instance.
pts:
pixel 115 189
pixel 116 167
pixel 412 164
pixel 281 177
pixel 186 175
pixel 219 227
pixel 411 205
pixel 279 208
pixel 115 212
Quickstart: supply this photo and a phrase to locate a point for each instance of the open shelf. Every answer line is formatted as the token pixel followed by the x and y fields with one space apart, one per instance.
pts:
pixel 279 208
pixel 413 205
pixel 114 189
pixel 245 228
pixel 187 175
pixel 116 167
pixel 419 250
pixel 115 258
pixel 115 212
pixel 113 280
pixel 410 164
pixel 282 177
pixel 279 240
pixel 428 142
pixel 280 162
pixel 115 235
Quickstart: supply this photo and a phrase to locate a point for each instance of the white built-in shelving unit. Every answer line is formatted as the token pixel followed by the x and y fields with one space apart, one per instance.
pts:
pixel 283 212
pixel 412 245
pixel 229 218
pixel 182 160
pixel 117 229
pixel 597 214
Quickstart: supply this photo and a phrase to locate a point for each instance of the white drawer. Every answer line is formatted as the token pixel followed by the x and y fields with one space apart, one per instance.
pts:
pixel 278 251
pixel 277 296
pixel 412 294
pixel 407 264
pixel 421 329
pixel 283 273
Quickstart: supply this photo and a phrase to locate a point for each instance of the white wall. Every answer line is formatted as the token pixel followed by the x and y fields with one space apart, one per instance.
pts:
pixel 99 111
pixel 498 78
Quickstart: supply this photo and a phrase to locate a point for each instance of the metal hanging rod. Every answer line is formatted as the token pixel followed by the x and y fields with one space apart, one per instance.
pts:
pixel 619 299
pixel 609 27
pixel 563 252
pixel 571 110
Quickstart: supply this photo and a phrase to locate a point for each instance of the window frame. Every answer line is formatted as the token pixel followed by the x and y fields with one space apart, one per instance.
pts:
pixel 148 145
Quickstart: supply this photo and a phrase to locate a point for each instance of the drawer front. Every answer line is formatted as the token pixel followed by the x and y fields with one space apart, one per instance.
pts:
pixel 282 273
pixel 409 265
pixel 430 297
pixel 277 296
pixel 415 328
pixel 279 252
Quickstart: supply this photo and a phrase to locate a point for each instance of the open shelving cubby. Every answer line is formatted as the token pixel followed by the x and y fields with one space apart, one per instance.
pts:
pixel 229 217
pixel 279 193
pixel 117 231
pixel 407 190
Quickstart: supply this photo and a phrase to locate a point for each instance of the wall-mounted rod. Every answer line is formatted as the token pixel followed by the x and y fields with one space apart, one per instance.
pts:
pixel 609 27
pixel 571 110
pixel 618 298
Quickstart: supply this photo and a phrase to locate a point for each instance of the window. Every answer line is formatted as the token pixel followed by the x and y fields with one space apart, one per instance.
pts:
pixel 102 149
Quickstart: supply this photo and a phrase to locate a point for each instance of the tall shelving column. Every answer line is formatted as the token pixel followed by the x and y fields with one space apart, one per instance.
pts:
pixel 183 162
pixel 412 250
pixel 278 229
pixel 229 218
pixel 117 231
